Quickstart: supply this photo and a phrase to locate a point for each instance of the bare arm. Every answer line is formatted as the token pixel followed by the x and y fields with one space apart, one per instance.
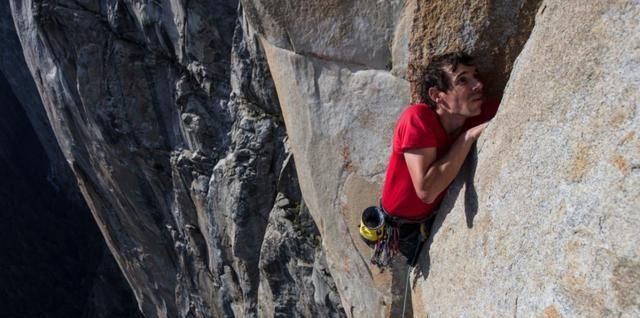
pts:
pixel 430 176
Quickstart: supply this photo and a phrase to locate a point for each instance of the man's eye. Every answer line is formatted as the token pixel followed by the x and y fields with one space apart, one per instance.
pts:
pixel 462 80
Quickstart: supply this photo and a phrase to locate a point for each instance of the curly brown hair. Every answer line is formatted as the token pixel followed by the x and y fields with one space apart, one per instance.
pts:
pixel 436 76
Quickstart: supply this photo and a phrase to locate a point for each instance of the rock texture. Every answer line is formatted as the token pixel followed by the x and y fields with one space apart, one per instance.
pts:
pixel 334 30
pixel 493 31
pixel 291 232
pixel 167 115
pixel 552 229
pixel 50 248
pixel 338 106
pixel 340 113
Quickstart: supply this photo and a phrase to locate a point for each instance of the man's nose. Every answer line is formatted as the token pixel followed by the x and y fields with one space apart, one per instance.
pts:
pixel 478 86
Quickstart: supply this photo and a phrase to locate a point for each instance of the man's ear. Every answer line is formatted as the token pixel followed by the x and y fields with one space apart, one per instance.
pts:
pixel 434 94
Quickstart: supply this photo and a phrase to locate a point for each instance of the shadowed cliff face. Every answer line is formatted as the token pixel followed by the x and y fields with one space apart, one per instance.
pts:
pixel 51 249
pixel 166 112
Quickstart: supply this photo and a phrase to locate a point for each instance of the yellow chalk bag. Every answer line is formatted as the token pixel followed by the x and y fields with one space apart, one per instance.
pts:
pixel 372 224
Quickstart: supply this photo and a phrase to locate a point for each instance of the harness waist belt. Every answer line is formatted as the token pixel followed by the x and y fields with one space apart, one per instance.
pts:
pixel 399 220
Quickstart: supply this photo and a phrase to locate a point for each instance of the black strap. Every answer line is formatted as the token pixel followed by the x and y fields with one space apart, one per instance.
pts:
pixel 398 220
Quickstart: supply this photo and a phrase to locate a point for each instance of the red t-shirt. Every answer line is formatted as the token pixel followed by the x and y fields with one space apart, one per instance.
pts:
pixel 418 127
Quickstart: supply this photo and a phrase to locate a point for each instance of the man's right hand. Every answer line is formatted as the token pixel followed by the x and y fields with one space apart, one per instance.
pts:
pixel 474 133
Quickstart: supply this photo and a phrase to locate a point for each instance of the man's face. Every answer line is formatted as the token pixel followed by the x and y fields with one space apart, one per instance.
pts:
pixel 465 96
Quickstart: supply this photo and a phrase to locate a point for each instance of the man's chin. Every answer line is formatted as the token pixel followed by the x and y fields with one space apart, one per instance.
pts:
pixel 477 109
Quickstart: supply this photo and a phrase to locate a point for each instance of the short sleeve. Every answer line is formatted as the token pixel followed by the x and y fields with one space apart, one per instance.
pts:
pixel 415 130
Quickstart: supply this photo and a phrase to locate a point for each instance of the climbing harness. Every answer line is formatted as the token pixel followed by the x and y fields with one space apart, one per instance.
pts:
pixel 382 230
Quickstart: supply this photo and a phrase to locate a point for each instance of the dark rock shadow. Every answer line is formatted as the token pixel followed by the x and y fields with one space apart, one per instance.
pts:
pixel 464 179
pixel 470 194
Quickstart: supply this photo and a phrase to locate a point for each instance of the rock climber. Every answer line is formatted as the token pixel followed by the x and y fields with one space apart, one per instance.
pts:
pixel 430 143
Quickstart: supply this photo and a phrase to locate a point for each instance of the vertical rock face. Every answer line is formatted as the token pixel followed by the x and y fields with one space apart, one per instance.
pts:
pixel 20 81
pixel 343 112
pixel 166 112
pixel 552 227
pixel 51 249
pixel 337 104
pixel 340 107
pixel 292 260
pixel 121 95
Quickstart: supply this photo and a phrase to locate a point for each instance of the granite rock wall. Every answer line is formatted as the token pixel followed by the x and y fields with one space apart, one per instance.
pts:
pixel 547 225
pixel 51 249
pixel 179 120
pixel 167 116
pixel 340 106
